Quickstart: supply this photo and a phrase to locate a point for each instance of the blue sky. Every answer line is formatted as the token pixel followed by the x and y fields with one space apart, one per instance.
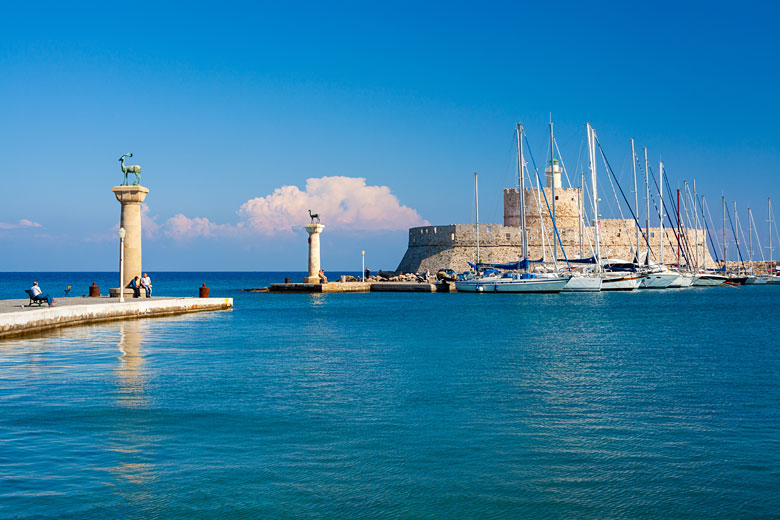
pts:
pixel 226 103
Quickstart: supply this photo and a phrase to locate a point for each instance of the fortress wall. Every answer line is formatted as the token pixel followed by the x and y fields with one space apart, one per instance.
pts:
pixel 452 247
pixel 566 204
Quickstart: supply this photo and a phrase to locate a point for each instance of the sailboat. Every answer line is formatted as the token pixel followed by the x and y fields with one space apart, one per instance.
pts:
pixel 658 276
pixel 753 278
pixel 773 276
pixel 610 280
pixel 709 278
pixel 733 278
pixel 516 282
pixel 581 280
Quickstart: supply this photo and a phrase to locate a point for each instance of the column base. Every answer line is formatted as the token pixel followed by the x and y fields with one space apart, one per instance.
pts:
pixel 114 293
pixel 311 279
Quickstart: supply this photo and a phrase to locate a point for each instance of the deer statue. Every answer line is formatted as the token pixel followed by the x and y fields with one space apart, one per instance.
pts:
pixel 134 168
pixel 314 216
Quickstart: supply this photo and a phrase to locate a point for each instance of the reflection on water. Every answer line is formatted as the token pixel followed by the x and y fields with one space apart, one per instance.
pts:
pixel 130 439
pixel 130 372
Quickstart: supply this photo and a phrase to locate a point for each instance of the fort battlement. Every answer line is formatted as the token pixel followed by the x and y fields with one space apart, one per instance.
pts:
pixel 452 246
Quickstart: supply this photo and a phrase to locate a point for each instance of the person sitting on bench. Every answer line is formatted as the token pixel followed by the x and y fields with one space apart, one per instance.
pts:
pixel 37 294
pixel 135 287
pixel 146 283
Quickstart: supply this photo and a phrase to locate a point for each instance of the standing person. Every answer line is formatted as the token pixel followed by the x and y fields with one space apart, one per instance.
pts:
pixel 37 294
pixel 146 283
pixel 135 287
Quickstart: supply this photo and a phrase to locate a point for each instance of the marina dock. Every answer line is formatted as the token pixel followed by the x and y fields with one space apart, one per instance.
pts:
pixel 17 319
pixel 351 287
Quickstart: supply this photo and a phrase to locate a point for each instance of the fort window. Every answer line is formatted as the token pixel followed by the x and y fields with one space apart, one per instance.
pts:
pixel 452 236
pixel 508 236
pixel 434 230
pixel 556 197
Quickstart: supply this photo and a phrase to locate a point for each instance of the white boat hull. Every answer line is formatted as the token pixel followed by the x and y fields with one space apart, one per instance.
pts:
pixel 659 280
pixel 757 280
pixel 706 280
pixel 773 280
pixel 683 280
pixel 621 283
pixel 583 284
pixel 508 285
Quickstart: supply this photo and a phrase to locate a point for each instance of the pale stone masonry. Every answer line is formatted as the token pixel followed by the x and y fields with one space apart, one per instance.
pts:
pixel 431 248
pixel 131 197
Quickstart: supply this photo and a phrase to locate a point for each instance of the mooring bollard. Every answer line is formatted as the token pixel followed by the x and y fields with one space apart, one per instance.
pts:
pixel 203 292
pixel 94 290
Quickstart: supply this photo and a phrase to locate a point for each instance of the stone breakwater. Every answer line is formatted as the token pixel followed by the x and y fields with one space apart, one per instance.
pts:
pixel 362 287
pixel 15 319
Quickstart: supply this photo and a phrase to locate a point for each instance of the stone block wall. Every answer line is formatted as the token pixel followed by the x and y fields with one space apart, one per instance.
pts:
pixel 452 247
pixel 502 244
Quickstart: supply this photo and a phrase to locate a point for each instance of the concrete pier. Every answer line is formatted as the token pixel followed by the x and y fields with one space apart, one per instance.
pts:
pixel 353 287
pixel 17 320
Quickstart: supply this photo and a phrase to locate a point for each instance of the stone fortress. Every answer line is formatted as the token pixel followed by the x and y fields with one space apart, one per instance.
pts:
pixel 451 247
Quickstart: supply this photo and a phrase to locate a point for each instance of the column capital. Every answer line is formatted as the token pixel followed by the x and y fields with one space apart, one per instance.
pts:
pixel 130 194
pixel 313 228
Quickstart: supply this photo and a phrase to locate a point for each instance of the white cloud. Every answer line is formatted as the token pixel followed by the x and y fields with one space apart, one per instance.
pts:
pixel 343 203
pixel 148 222
pixel 22 224
pixel 183 227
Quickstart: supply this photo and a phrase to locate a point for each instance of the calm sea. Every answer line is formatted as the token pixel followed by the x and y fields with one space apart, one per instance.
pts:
pixel 640 405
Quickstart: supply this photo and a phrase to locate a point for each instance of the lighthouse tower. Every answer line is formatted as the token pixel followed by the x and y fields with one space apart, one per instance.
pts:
pixel 553 175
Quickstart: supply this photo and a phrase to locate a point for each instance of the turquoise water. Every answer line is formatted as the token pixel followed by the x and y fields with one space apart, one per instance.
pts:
pixel 639 405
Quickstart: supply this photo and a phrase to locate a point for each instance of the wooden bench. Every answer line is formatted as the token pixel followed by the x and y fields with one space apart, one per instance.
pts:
pixel 33 299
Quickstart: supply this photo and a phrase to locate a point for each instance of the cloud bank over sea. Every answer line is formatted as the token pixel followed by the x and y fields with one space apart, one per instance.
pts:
pixel 343 203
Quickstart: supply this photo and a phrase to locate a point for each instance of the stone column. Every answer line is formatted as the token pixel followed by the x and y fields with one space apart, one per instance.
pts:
pixel 131 197
pixel 314 231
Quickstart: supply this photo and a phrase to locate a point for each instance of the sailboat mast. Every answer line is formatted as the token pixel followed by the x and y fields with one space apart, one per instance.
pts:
pixel 661 204
pixel 723 209
pixel 696 223
pixel 750 238
pixel 636 198
pixel 476 205
pixel 596 223
pixel 707 232
pixel 769 219
pixel 521 194
pixel 647 215
pixel 678 227
pixel 736 234
pixel 552 186
pixel 582 208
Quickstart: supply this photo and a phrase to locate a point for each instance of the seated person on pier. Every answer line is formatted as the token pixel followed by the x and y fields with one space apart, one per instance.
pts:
pixel 134 285
pixel 36 294
pixel 146 283
pixel 323 278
